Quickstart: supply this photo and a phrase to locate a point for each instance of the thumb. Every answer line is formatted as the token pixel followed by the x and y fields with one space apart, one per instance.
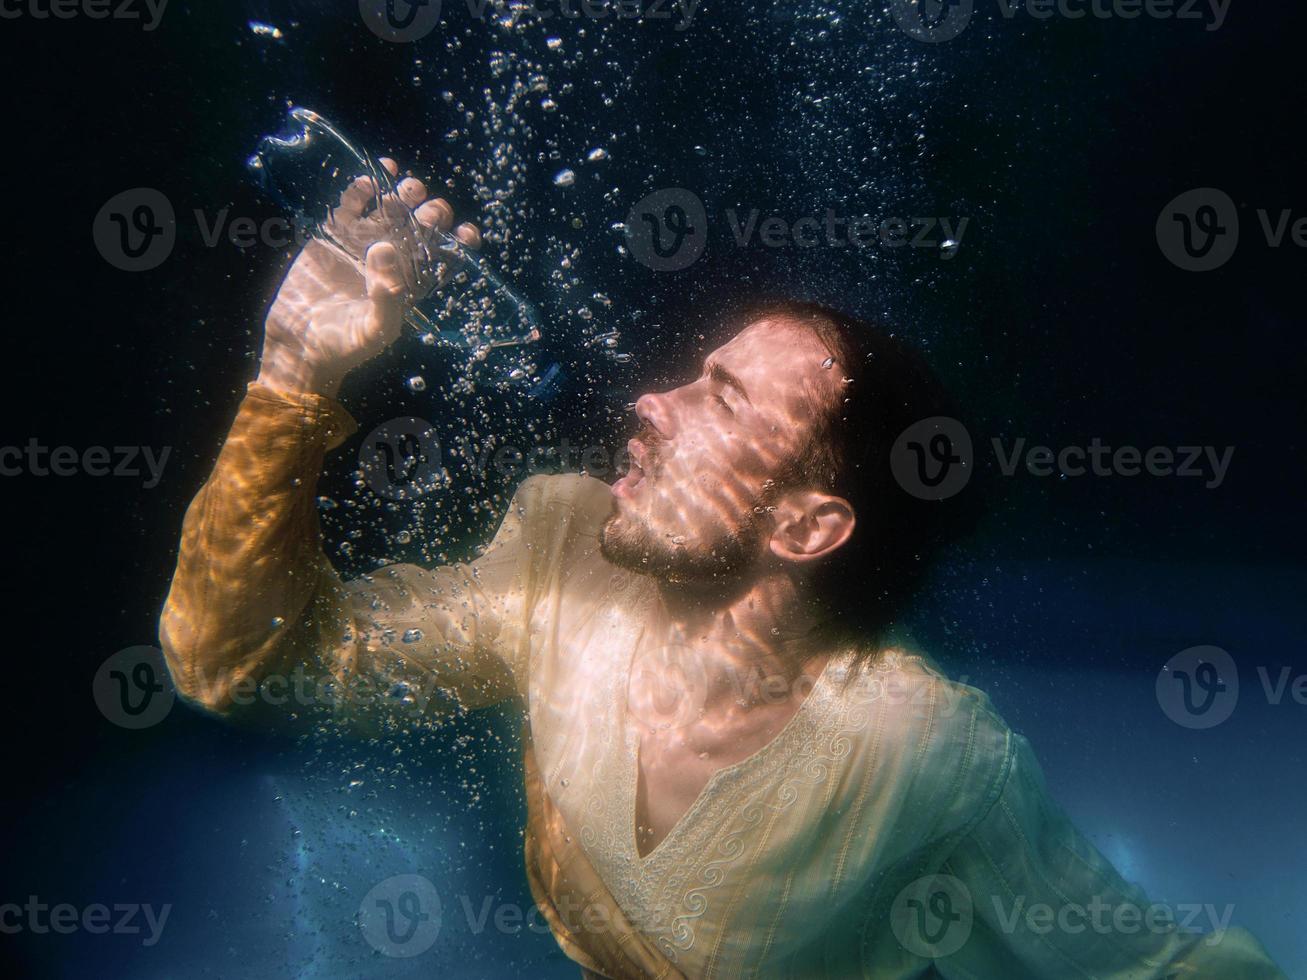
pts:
pixel 384 284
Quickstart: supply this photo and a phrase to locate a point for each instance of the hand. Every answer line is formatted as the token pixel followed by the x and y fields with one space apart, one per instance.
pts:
pixel 328 318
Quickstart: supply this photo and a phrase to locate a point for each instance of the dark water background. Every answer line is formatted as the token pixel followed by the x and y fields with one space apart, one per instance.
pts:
pixel 1059 320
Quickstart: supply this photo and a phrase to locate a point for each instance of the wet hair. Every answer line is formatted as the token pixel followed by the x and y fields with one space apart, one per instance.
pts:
pixel 883 386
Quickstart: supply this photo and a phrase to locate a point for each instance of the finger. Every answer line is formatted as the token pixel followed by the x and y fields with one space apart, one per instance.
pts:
pixel 357 196
pixel 469 235
pixel 386 292
pixel 393 211
pixel 412 192
pixel 382 271
pixel 435 213
pixel 392 206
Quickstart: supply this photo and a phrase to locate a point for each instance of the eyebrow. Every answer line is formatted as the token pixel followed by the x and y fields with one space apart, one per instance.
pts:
pixel 723 376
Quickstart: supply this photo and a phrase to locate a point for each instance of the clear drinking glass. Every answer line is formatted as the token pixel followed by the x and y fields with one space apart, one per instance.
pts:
pixel 306 169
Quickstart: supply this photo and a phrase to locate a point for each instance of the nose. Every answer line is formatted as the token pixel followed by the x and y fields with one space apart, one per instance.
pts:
pixel 654 411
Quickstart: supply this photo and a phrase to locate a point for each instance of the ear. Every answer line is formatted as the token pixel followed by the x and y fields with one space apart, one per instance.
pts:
pixel 810 525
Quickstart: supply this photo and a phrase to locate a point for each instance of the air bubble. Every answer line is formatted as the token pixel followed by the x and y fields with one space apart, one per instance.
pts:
pixel 260 29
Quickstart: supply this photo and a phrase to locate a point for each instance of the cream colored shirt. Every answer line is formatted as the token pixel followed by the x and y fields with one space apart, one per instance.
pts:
pixel 895 820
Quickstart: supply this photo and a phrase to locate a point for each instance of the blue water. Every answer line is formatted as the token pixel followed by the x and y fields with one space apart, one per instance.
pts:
pixel 1057 320
pixel 265 851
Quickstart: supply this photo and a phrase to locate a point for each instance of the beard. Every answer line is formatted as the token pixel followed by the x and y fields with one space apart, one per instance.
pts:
pixel 717 555
pixel 724 553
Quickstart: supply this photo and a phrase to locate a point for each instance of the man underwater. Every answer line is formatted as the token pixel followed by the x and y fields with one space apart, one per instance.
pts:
pixel 809 803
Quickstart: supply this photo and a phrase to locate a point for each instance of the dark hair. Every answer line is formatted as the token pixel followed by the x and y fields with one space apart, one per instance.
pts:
pixel 885 387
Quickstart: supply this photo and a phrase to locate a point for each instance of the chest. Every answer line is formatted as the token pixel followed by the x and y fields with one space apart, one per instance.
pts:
pixel 675 765
pixel 636 731
pixel 694 827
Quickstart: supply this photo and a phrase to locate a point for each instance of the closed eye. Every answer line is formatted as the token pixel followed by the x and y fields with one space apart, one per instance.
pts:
pixel 726 379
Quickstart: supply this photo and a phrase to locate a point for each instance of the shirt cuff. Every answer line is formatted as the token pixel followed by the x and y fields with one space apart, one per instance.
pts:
pixel 326 417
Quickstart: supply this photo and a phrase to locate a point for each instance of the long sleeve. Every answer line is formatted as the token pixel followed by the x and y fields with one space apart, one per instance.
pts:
pixel 1046 904
pixel 257 621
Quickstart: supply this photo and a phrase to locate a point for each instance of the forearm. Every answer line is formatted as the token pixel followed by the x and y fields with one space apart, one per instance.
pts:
pixel 253 596
pixel 250 563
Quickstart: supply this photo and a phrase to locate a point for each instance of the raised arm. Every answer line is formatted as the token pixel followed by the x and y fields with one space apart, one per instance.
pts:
pixel 257 621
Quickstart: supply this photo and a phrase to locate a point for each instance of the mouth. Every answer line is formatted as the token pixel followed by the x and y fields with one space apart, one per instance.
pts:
pixel 634 477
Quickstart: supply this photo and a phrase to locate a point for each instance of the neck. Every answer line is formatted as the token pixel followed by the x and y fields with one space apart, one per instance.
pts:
pixel 752 641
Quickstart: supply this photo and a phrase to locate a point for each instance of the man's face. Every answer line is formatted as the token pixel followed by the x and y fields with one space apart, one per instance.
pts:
pixel 707 460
